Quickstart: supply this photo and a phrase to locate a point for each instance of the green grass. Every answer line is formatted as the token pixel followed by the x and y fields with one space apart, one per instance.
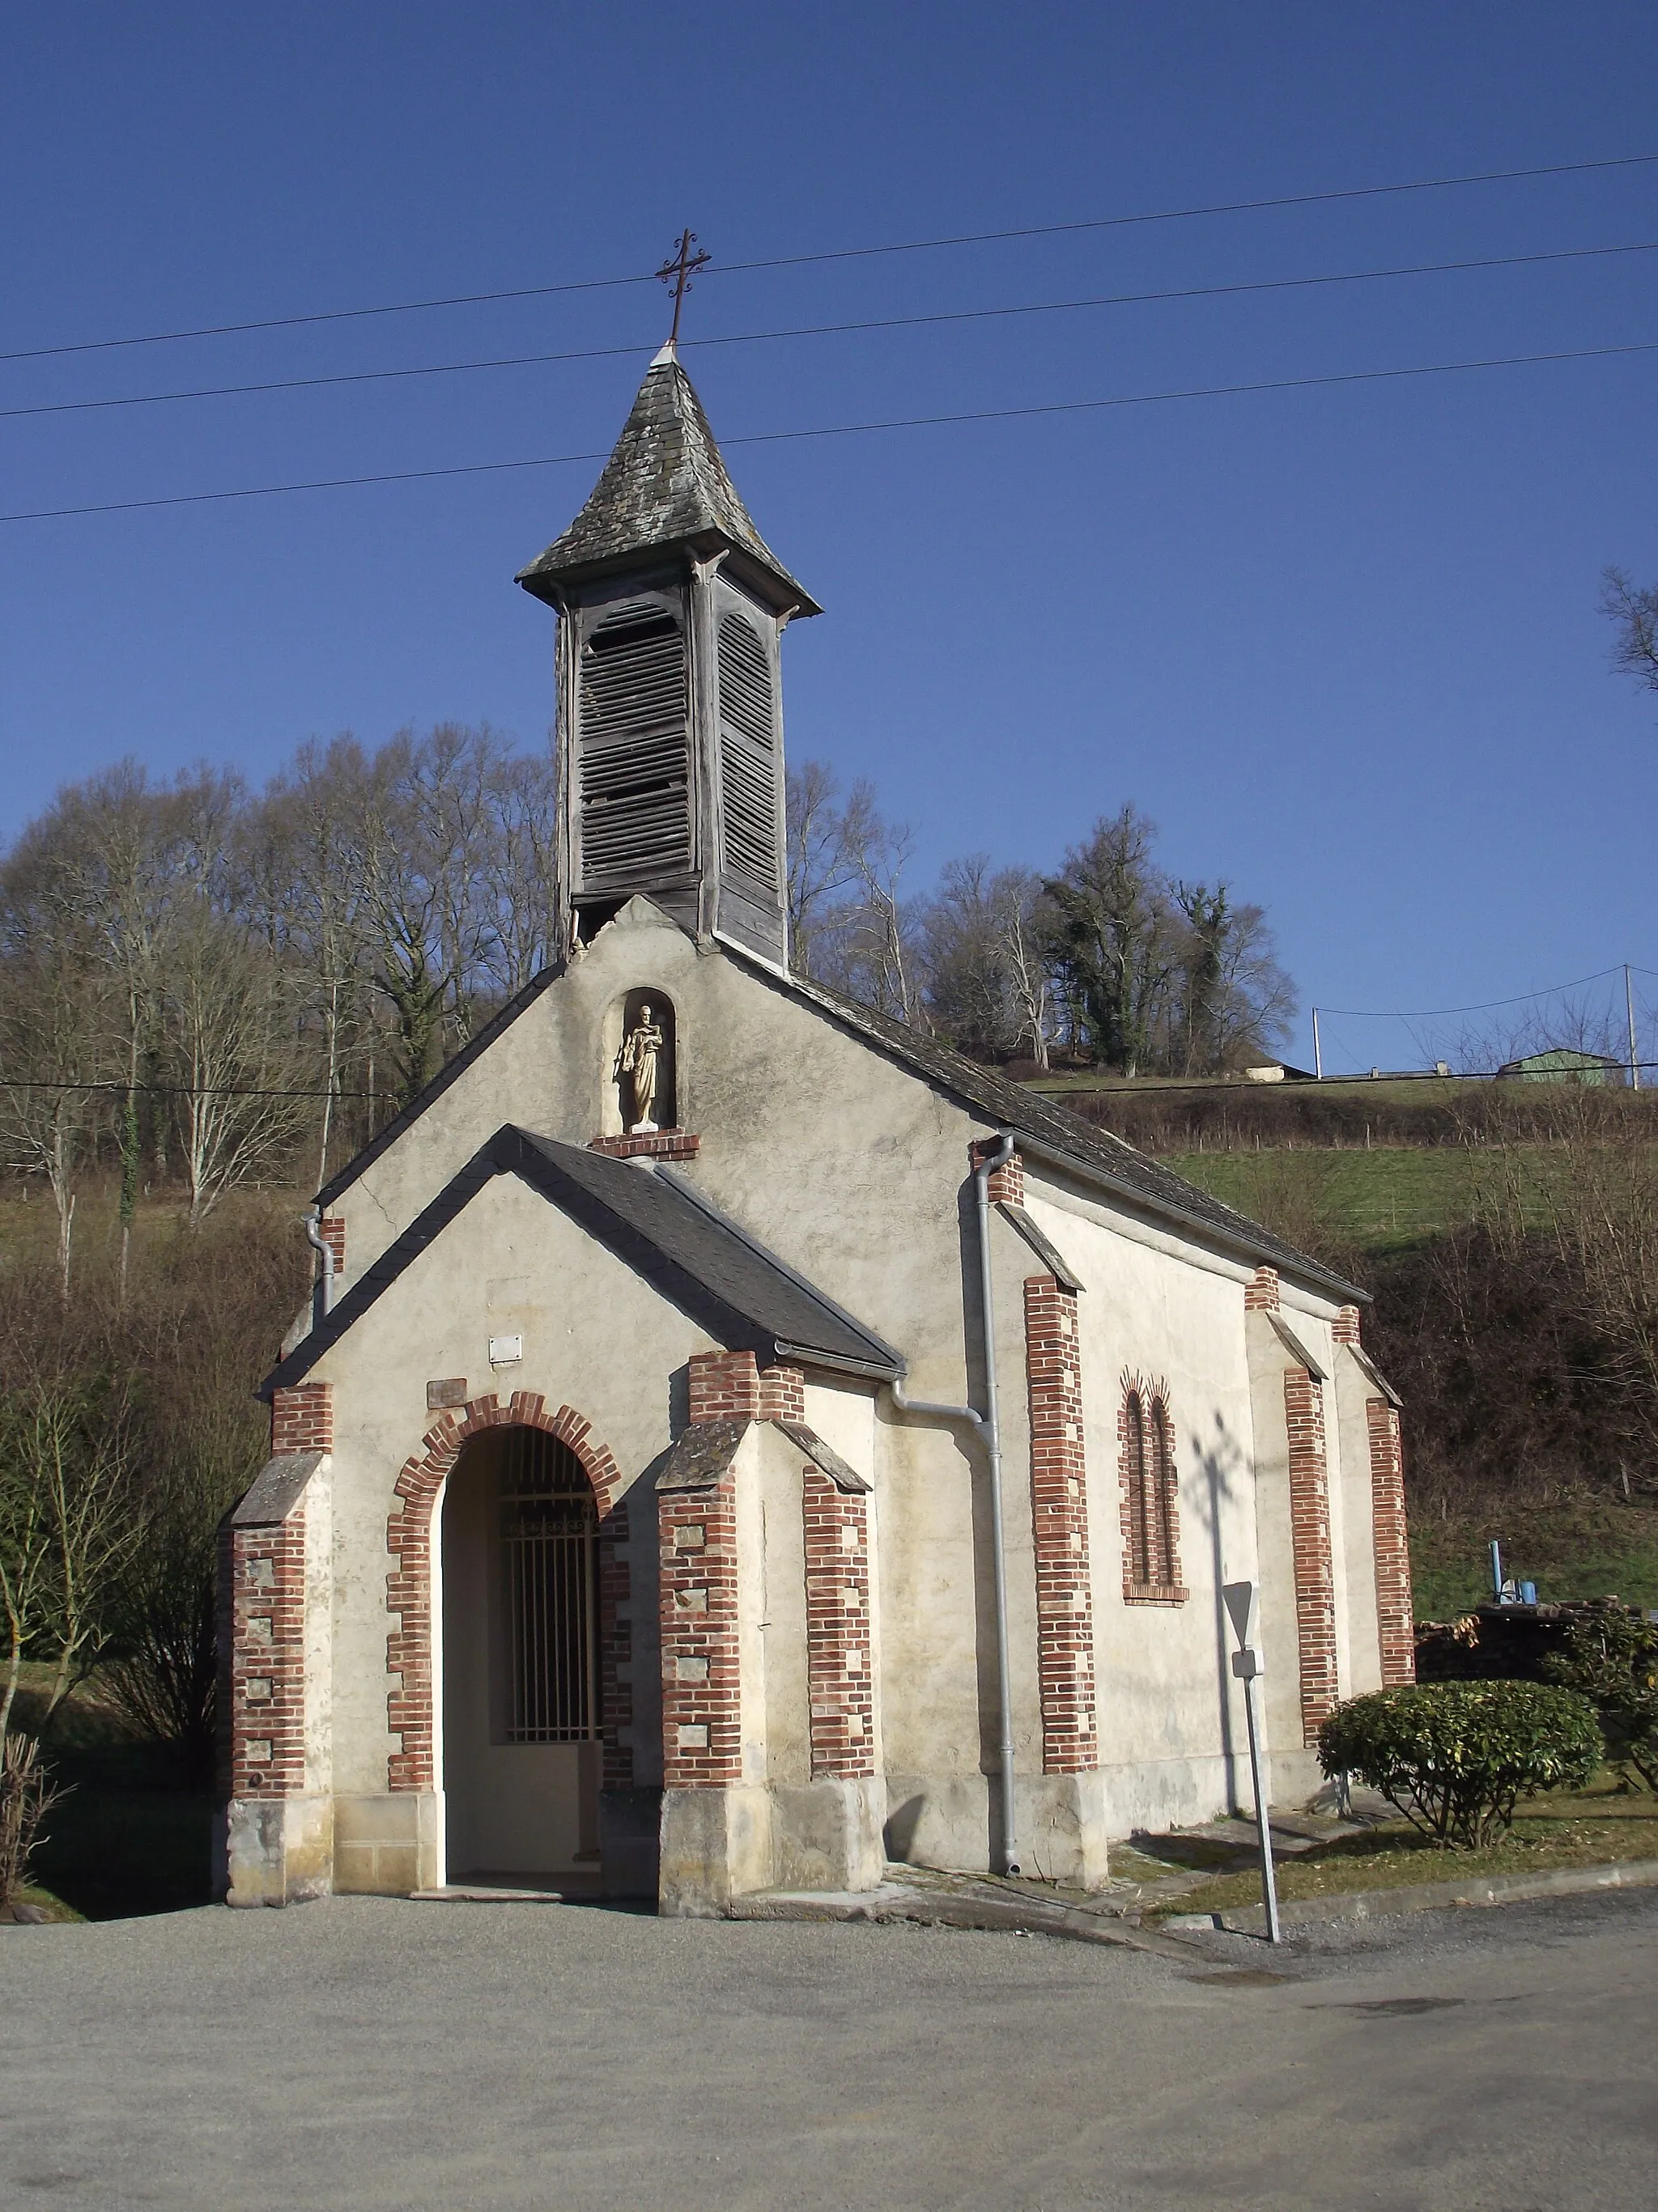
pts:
pixel 1382 1200
pixel 1595 1829
pixel 1587 1548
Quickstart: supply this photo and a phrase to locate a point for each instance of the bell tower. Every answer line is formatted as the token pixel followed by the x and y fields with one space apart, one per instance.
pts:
pixel 671 607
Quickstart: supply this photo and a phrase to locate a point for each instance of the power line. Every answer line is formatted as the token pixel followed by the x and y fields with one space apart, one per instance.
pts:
pixel 831 330
pixel 856 430
pixel 1486 1006
pixel 177 1089
pixel 844 253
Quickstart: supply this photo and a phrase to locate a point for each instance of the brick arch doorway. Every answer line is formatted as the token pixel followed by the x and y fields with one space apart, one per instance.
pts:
pixel 522 1697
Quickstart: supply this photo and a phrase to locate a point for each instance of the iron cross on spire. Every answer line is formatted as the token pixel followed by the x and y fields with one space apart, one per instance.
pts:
pixel 676 271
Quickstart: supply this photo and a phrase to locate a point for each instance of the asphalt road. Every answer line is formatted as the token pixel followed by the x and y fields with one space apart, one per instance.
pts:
pixel 369 2053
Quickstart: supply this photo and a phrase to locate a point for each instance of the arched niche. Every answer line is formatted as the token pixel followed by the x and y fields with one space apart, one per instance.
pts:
pixel 625 1018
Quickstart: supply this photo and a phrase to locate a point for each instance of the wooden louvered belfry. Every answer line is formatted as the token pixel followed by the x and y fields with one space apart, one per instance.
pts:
pixel 671 607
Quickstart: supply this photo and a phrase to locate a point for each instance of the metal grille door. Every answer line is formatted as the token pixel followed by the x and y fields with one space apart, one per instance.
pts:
pixel 548 1543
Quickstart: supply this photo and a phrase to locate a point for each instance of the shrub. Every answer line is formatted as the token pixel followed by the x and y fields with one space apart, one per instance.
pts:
pixel 26 1797
pixel 1454 1757
pixel 1611 1657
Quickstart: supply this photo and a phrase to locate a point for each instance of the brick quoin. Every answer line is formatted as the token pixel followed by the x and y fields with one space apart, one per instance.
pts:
pixel 333 1232
pixel 409 1536
pixel 266 1685
pixel 1395 1614
pixel 1309 1529
pixel 1006 1186
pixel 702 1700
pixel 837 1650
pixel 1345 1327
pixel 302 1418
pixel 1261 1291
pixel 1059 1520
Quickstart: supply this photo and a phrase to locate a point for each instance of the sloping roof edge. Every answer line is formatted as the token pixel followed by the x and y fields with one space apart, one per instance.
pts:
pixel 1049 1130
pixel 512 1151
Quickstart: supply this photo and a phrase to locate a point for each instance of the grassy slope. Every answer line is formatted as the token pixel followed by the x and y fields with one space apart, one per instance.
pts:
pixel 1390 1200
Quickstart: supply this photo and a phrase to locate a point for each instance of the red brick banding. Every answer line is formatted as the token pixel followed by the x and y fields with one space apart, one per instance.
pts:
pixel 1395 1615
pixel 1006 1184
pixel 302 1418
pixel 838 1658
pixel 1149 1495
pixel 782 1394
pixel 409 1534
pixel 701 1702
pixel 725 1386
pixel 1261 1291
pixel 1309 1529
pixel 659 1144
pixel 264 1570
pixel 1059 1521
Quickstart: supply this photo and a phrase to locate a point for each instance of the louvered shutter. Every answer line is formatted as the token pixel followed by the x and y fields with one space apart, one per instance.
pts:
pixel 633 777
pixel 748 758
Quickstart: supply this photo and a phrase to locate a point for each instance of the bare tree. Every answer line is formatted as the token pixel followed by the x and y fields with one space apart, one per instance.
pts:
pixel 820 866
pixel 65 1529
pixel 51 1061
pixel 1632 610
pixel 981 954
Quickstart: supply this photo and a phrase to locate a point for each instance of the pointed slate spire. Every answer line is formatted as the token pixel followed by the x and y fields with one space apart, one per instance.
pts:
pixel 664 487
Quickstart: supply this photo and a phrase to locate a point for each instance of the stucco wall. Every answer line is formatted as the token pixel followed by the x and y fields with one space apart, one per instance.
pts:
pixel 854 1171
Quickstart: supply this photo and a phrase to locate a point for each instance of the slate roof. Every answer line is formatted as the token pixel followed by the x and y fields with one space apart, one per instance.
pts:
pixel 664 486
pixel 656 1224
pixel 1098 1155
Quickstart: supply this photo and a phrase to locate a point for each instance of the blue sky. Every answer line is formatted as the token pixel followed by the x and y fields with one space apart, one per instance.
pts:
pixel 1342 643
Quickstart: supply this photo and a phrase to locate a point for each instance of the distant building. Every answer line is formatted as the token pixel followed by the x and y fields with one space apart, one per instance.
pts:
pixel 1565 1064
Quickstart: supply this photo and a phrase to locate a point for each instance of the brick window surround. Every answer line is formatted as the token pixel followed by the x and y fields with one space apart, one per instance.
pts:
pixel 1314 1566
pixel 410 1533
pixel 1060 1522
pixel 1150 1495
pixel 837 1650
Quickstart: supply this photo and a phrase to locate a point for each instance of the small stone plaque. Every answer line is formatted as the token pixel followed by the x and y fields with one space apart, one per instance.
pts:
pixel 450 1391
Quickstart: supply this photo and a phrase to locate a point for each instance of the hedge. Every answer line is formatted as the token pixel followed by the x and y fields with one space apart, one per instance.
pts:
pixel 1454 1757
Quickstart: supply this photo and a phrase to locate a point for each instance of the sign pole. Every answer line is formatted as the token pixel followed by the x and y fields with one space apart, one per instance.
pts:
pixel 1243 1604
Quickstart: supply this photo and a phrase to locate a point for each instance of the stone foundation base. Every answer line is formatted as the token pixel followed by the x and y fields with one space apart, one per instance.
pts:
pixel 278 1850
pixel 389 1845
pixel 826 1834
pixel 716 1844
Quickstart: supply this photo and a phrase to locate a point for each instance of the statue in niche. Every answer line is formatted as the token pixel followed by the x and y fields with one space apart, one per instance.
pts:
pixel 637 1063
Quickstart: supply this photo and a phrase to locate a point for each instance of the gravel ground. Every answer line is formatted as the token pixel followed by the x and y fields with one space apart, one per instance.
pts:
pixel 366 2053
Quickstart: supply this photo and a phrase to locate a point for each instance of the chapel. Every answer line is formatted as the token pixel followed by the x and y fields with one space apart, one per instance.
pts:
pixel 737 1443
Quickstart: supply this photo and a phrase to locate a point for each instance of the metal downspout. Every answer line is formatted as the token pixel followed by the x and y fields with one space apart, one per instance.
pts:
pixel 988 1422
pixel 322 1296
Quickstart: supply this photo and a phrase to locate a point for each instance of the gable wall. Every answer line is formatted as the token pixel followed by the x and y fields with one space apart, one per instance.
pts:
pixel 509 1263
